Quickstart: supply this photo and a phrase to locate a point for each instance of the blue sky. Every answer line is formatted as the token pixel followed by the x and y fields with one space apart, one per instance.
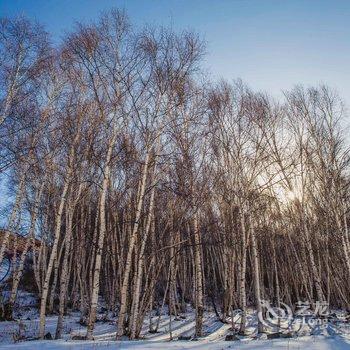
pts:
pixel 270 44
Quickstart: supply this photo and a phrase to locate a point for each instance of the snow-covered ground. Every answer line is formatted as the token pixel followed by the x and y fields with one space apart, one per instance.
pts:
pixel 308 342
pixel 334 335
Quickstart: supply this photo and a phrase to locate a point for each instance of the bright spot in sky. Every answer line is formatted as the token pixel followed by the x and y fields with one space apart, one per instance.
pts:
pixel 290 196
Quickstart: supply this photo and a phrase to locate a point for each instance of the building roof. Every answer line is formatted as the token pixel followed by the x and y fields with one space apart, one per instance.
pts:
pixel 17 242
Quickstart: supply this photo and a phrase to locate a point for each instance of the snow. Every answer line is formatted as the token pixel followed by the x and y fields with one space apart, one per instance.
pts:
pixel 309 342
pixel 335 335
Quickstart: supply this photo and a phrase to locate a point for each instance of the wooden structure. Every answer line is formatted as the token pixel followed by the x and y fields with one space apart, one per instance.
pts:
pixel 17 243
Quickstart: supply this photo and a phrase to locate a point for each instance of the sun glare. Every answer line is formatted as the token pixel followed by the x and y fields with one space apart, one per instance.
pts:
pixel 286 196
pixel 290 196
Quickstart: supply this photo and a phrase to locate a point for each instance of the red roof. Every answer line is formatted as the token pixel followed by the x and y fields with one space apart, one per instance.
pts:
pixel 17 242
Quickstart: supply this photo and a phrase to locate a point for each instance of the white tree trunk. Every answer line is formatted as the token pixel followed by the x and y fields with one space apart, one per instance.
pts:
pixel 198 278
pixel 124 288
pixel 243 267
pixel 135 315
pixel 53 256
pixel 256 274
pixel 102 233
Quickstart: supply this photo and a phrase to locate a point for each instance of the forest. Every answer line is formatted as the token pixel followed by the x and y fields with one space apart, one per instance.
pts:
pixel 140 182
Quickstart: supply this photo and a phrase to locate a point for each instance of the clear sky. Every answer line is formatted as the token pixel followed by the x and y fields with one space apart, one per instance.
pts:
pixel 271 44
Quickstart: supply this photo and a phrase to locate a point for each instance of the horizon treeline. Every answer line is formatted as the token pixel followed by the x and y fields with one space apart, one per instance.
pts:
pixel 151 186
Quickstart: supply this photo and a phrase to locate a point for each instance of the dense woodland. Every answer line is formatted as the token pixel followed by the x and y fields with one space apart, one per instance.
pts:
pixel 152 186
